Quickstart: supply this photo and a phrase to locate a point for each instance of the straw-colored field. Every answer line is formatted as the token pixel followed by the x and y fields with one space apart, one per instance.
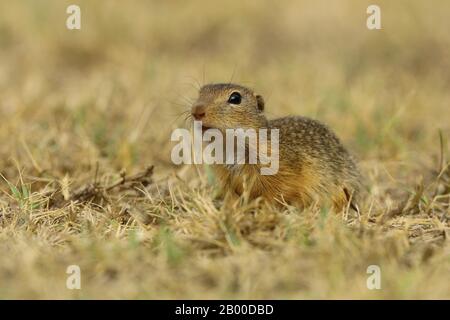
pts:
pixel 81 109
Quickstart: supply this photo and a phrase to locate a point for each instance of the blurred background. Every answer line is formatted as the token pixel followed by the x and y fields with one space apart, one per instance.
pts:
pixel 111 94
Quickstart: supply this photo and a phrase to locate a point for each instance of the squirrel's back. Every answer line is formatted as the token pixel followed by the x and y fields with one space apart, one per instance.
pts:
pixel 309 147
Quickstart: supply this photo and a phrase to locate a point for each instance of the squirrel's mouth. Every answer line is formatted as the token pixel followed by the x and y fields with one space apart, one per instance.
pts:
pixel 204 128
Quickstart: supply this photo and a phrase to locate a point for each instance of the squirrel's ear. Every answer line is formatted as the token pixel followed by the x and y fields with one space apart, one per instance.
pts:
pixel 260 102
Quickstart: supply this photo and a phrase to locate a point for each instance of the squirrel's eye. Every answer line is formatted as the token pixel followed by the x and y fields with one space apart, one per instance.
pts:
pixel 235 98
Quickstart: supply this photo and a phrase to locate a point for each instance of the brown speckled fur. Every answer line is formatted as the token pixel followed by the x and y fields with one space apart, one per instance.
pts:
pixel 314 167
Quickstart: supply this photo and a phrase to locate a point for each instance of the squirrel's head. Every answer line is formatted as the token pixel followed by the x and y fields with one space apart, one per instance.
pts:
pixel 229 106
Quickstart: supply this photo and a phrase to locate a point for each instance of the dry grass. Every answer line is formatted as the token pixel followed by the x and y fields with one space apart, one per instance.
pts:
pixel 85 112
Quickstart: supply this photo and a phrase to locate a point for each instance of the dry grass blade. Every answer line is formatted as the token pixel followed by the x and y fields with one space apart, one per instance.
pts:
pixel 94 190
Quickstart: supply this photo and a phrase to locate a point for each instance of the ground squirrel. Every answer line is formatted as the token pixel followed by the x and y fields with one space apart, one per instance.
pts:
pixel 314 166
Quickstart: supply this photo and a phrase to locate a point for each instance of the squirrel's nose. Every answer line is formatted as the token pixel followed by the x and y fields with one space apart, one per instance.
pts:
pixel 198 111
